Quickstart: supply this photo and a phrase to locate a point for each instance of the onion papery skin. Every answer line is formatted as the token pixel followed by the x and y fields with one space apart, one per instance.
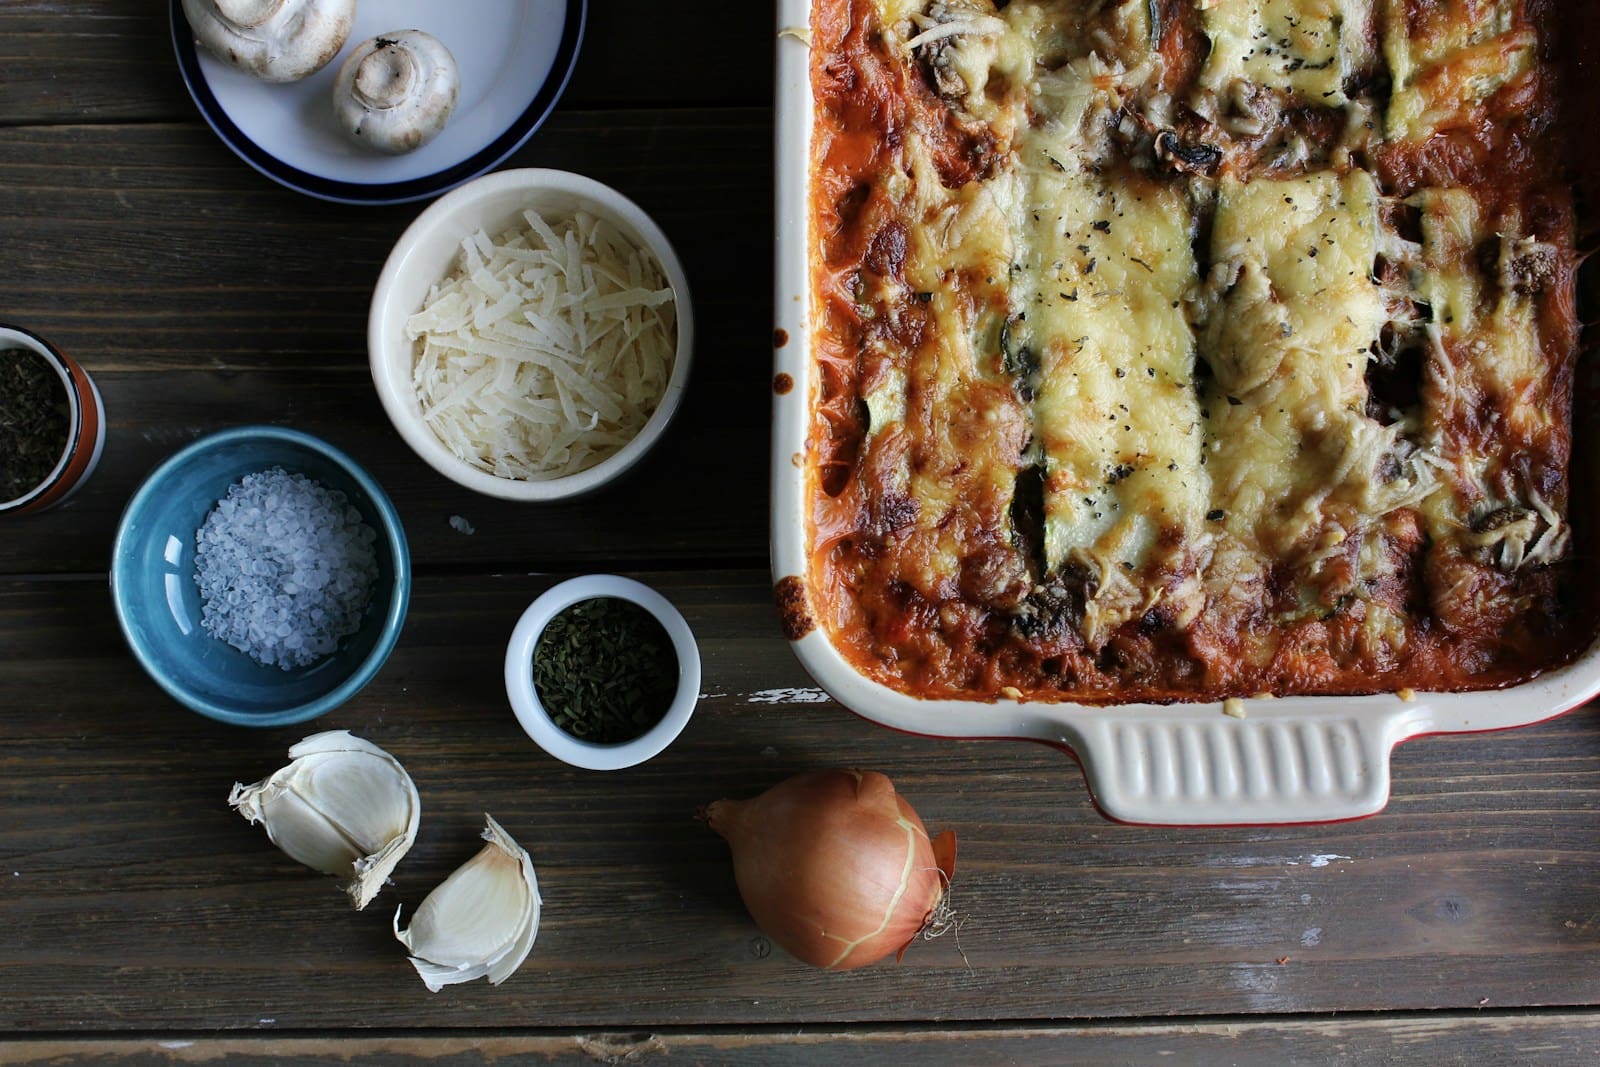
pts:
pixel 835 866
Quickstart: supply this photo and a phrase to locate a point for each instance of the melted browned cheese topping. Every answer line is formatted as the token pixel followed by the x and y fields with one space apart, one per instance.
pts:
pixel 1183 349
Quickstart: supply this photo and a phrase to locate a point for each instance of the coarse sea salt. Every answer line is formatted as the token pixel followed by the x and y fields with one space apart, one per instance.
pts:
pixel 285 568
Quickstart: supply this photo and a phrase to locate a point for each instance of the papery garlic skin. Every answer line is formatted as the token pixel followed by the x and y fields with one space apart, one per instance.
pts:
pixel 343 806
pixel 479 922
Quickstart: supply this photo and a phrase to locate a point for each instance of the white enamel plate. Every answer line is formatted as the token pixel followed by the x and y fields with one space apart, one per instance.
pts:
pixel 515 58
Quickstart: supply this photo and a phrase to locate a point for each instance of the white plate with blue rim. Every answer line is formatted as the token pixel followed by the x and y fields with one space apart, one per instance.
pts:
pixel 515 58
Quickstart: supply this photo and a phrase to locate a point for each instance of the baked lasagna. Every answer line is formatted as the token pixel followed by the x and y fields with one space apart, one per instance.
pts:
pixel 1187 349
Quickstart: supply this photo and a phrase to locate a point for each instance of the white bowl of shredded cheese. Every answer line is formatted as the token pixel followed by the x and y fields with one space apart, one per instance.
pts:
pixel 530 334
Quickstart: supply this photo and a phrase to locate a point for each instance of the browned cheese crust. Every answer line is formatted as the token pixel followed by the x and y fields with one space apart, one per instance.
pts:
pixel 1175 351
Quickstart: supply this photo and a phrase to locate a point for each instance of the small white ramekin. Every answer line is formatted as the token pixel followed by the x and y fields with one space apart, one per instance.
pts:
pixel 427 251
pixel 536 721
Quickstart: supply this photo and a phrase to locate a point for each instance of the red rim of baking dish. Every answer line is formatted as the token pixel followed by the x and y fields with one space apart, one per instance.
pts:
pixel 85 427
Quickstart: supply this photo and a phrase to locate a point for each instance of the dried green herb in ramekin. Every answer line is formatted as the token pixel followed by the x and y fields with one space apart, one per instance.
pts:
pixel 605 670
pixel 34 421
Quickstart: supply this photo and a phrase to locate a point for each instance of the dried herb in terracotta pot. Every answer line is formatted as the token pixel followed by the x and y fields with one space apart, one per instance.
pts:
pixel 34 421
pixel 605 670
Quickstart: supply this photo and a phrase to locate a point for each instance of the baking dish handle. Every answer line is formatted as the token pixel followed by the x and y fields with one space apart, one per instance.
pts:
pixel 1158 765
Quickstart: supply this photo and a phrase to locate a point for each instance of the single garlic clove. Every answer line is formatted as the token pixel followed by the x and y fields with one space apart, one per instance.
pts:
pixel 343 806
pixel 298 828
pixel 479 922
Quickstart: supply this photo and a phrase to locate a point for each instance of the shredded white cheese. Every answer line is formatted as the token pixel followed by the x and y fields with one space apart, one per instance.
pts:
pixel 546 349
pixel 977 25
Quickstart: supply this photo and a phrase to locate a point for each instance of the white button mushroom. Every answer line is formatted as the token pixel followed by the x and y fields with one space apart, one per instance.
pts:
pixel 396 91
pixel 276 40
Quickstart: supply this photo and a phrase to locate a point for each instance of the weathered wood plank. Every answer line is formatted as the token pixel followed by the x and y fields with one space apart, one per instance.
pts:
pixel 158 226
pixel 74 61
pixel 143 920
pixel 708 52
pixel 201 296
pixel 1439 1040
pixel 133 900
pixel 693 510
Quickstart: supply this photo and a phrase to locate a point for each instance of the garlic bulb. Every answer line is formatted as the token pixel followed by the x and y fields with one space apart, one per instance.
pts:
pixel 480 921
pixel 343 806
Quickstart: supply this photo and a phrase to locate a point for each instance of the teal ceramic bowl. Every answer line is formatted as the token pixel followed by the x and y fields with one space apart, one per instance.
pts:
pixel 158 603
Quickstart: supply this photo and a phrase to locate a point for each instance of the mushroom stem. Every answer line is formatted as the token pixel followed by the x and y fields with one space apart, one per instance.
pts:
pixel 275 40
pixel 386 78
pixel 248 12
pixel 395 92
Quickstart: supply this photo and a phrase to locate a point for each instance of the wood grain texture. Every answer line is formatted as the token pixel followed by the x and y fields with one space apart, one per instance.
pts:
pixel 1439 1040
pixel 134 900
pixel 200 295
pixel 146 923
pixel 91 61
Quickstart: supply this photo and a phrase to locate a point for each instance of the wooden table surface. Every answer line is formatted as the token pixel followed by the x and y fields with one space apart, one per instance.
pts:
pixel 140 918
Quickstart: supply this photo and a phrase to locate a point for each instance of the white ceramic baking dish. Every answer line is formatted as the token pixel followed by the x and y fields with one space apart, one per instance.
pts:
pixel 1289 760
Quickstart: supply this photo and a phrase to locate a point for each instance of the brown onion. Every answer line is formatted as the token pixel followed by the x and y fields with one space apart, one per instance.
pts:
pixel 835 866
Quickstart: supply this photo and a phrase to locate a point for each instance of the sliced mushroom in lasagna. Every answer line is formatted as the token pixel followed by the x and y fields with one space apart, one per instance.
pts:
pixel 1184 349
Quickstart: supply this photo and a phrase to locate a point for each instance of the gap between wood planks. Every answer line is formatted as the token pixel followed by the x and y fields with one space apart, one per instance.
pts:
pixel 1417 1020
